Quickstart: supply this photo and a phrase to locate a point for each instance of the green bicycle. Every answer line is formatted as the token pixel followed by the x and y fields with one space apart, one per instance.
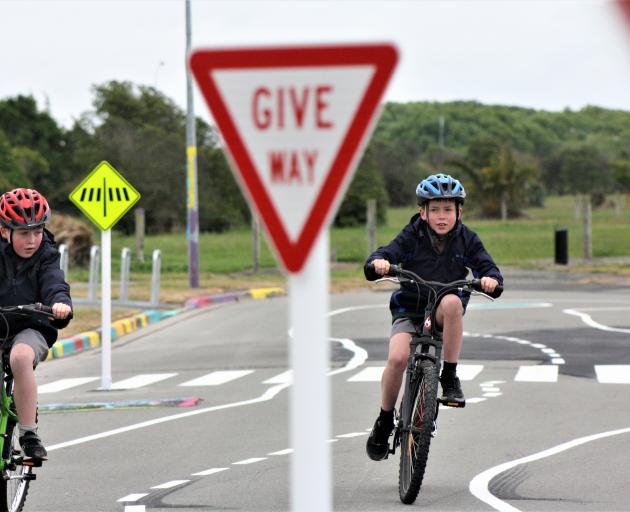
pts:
pixel 16 470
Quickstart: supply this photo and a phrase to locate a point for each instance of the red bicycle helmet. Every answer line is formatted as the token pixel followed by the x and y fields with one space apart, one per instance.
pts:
pixel 23 208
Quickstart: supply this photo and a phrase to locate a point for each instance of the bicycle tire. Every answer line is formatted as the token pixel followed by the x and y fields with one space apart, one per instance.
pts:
pixel 415 443
pixel 15 478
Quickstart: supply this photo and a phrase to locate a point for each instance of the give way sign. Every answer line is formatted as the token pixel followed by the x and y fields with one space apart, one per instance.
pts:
pixel 294 121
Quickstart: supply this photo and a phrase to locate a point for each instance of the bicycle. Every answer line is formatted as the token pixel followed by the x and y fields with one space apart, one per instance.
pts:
pixel 16 470
pixel 416 421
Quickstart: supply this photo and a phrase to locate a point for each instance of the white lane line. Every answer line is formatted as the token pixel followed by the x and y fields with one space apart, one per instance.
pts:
pixel 592 323
pixel 217 378
pixel 358 358
pixel 267 395
pixel 133 497
pixel 210 471
pixel 282 452
pixel 281 378
pixel 141 380
pixel 62 384
pixel 613 373
pixel 369 374
pixel 479 485
pixel 250 461
pixel 171 484
pixel 541 373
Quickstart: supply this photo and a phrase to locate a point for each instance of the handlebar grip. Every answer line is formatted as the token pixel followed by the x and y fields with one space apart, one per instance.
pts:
pixel 44 309
pixel 476 285
pixel 394 270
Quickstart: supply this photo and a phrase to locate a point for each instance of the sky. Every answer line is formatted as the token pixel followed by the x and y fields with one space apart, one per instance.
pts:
pixel 541 54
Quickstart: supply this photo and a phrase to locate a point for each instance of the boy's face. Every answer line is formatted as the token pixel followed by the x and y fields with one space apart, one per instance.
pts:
pixel 25 241
pixel 441 215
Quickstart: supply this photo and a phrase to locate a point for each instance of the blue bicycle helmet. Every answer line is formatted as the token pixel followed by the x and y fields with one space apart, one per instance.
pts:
pixel 440 186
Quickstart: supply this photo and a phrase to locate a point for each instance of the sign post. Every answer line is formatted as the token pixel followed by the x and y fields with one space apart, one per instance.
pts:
pixel 295 121
pixel 104 196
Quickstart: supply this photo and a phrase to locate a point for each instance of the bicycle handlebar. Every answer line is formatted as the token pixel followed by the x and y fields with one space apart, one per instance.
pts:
pixel 475 284
pixel 36 309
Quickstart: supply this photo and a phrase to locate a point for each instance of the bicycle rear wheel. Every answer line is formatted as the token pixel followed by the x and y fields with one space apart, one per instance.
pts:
pixel 415 442
pixel 15 477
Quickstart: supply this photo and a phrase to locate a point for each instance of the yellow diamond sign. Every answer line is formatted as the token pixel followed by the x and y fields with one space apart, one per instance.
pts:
pixel 104 196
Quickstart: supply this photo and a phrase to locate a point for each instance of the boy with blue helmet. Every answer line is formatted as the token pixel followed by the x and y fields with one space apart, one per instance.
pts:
pixel 437 246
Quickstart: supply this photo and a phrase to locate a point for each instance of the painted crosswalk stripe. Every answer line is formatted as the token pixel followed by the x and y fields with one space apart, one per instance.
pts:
pixel 217 378
pixel 468 371
pixel 62 384
pixel 540 373
pixel 281 378
pixel 141 380
pixel 250 461
pixel 133 497
pixel 369 374
pixel 613 373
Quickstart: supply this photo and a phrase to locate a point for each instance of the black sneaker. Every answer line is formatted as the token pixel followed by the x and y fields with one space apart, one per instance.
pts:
pixel 32 446
pixel 452 394
pixel 377 446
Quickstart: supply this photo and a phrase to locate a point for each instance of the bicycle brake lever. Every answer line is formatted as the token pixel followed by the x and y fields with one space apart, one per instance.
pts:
pixel 475 292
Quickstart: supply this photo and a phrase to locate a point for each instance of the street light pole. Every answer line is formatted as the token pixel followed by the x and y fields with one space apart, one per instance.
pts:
pixel 192 218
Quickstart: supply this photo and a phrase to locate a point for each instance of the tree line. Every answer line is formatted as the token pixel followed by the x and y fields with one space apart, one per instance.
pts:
pixel 508 157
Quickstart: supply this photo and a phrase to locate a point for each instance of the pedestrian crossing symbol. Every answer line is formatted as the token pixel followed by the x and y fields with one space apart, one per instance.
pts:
pixel 104 196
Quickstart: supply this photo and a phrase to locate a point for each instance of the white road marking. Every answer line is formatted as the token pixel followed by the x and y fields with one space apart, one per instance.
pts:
pixel 217 378
pixel 135 508
pixel 133 497
pixel 210 471
pixel 62 384
pixel 592 323
pixel 171 484
pixel 613 373
pixel 281 378
pixel 479 485
pixel 468 371
pixel 542 373
pixel 352 434
pixel 141 380
pixel 250 461
pixel 282 452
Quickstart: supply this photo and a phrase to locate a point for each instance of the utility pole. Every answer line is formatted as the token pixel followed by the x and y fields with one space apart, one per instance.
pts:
pixel 192 217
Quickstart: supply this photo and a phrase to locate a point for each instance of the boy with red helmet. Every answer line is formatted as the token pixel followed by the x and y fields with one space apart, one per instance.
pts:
pixel 29 273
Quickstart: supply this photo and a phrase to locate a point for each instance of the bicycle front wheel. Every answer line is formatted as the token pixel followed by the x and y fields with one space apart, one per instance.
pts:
pixel 416 439
pixel 15 477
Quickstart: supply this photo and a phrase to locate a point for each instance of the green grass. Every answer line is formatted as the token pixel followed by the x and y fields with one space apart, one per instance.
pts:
pixel 524 242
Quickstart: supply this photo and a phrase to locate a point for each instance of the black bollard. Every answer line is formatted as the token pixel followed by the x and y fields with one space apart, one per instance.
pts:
pixel 562 246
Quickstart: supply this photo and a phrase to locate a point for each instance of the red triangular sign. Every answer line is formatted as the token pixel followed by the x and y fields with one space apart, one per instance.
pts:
pixel 294 121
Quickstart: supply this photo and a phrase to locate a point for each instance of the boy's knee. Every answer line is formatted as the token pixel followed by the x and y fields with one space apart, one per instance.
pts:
pixel 451 305
pixel 398 362
pixel 22 355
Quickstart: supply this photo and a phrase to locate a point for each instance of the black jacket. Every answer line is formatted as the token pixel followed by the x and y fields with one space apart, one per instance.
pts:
pixel 26 281
pixel 412 248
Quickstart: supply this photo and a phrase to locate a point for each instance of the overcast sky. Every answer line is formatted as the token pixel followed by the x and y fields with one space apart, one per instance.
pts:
pixel 544 54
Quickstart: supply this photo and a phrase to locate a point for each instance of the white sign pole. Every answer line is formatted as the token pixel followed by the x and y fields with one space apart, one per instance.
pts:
pixel 310 394
pixel 106 309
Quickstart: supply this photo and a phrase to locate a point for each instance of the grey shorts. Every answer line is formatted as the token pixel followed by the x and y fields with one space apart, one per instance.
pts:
pixel 407 325
pixel 33 339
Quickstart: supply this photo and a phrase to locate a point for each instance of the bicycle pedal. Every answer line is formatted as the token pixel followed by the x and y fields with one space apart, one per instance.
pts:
pixel 35 463
pixel 452 403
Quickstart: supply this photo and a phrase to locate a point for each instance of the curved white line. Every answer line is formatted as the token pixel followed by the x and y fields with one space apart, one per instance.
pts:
pixel 479 485
pixel 592 323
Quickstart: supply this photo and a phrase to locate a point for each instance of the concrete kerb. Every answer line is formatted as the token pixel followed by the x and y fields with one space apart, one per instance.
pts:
pixel 92 339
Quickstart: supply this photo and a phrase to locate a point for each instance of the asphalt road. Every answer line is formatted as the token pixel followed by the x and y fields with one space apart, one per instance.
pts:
pixel 542 431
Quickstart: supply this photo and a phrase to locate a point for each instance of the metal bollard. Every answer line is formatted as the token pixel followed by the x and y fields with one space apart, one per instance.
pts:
pixel 155 277
pixel 561 246
pixel 63 259
pixel 95 252
pixel 125 263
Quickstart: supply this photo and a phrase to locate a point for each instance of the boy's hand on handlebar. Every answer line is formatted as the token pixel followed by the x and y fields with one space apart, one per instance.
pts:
pixel 488 284
pixel 61 311
pixel 381 267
